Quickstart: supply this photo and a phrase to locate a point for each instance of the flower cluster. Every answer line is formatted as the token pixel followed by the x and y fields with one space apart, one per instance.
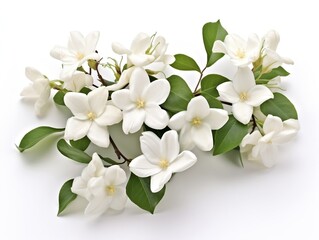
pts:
pixel 246 113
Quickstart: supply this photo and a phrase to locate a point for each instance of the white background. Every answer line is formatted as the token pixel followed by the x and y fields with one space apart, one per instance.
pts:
pixel 215 199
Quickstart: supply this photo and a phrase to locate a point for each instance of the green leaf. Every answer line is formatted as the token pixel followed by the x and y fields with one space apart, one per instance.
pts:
pixel 213 31
pixel 36 135
pixel 210 82
pixel 59 98
pixel 229 136
pixel 279 106
pixel 184 62
pixel 139 192
pixel 72 152
pixel 81 144
pixel 109 160
pixel 212 101
pixel 66 196
pixel 179 96
pixel 279 71
pixel 85 90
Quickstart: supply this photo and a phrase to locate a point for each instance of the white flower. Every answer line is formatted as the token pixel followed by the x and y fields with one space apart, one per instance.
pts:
pixel 147 52
pixel 140 103
pixel 79 50
pixel 258 147
pixel 244 94
pixel 77 81
pixel 123 81
pixel 196 124
pixel 92 114
pixel 102 187
pixel 39 90
pixel 94 169
pixel 161 158
pixel 241 52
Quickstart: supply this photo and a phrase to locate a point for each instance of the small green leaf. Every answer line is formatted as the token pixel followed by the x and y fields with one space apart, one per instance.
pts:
pixel 210 82
pixel 66 196
pixel 179 96
pixel 212 101
pixel 184 62
pixel 59 98
pixel 229 136
pixel 72 152
pixel 279 106
pixel 85 90
pixel 213 31
pixel 109 160
pixel 139 192
pixel 81 144
pixel 279 71
pixel 36 135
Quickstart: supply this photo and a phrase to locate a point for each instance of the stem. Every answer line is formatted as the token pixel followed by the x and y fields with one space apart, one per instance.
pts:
pixel 100 78
pixel 118 153
pixel 226 103
pixel 199 80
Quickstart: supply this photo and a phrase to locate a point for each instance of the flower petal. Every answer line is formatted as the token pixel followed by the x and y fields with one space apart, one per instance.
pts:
pixel 251 139
pixel 98 206
pixel 156 92
pixel 258 95
pixel 244 80
pixel 184 160
pixel 91 41
pixel 216 118
pixel 133 120
pixel 118 48
pixel 169 146
pixel 227 92
pixel 122 99
pixel 78 104
pixel 33 74
pixel 140 60
pixel 159 180
pixel 141 167
pixel 99 135
pixel 76 41
pixel 150 146
pixel 114 175
pixel 138 82
pixel 76 129
pixel 272 124
pixel 123 81
pixel 97 100
pixel 119 199
pixel 110 116
pixel 177 121
pixel 79 187
pixel 197 107
pixel 219 47
pixel 62 54
pixel 141 43
pixel 156 117
pixel 202 137
pixel 185 138
pixel 242 112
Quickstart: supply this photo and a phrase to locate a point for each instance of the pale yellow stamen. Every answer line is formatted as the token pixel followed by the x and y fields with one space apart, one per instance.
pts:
pixel 79 56
pixel 196 121
pixel 164 164
pixel 243 96
pixel 110 190
pixel 91 116
pixel 240 53
pixel 140 104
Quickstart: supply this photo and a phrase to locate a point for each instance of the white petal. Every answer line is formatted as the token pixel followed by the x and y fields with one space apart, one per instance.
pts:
pixel 202 137
pixel 244 80
pixel 155 66
pixel 242 112
pixel 272 124
pixel 251 139
pixel 141 43
pixel 76 129
pixel 99 135
pixel 122 99
pixel 227 92
pixel 97 100
pixel 40 106
pixel 150 146
pixel 269 155
pixel 110 116
pixel 138 82
pixel 169 146
pixel 219 47
pixel 185 138
pixel 216 118
pixel 91 41
pixel 33 74
pixel 114 175
pixel 62 54
pixel 184 160
pixel 120 49
pixel 141 167
pixel 77 81
pixel 177 121
pixel 29 92
pixel 156 117
pixel 119 199
pixel 78 104
pixel 197 107
pixel 271 40
pixel 157 92
pixel 133 120
pixel 98 205
pixel 168 59
pixel 123 81
pixel 159 180
pixel 140 60
pixel 96 186
pixel 79 187
pixel 258 94
pixel 76 41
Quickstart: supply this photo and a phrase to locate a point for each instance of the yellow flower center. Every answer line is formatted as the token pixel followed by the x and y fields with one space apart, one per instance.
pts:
pixel 91 116
pixel 243 96
pixel 240 53
pixel 79 56
pixel 196 121
pixel 164 164
pixel 110 190
pixel 140 104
